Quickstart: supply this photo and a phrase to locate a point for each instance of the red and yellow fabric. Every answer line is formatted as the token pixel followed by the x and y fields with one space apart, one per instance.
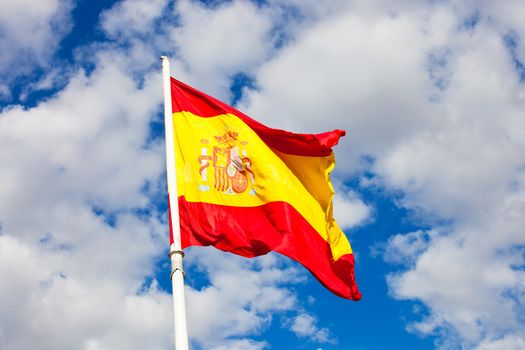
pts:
pixel 248 189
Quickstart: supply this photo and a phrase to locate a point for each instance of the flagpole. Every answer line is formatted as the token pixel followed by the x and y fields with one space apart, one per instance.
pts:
pixel 176 254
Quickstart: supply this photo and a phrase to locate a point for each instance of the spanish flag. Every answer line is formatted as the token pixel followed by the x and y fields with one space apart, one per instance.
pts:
pixel 248 189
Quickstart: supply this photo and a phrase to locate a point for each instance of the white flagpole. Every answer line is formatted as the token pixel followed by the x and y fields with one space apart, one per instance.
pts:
pixel 176 254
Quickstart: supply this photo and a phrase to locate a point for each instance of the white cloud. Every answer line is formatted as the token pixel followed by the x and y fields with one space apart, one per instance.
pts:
pixel 349 210
pixel 77 281
pixel 220 42
pixel 509 342
pixel 240 299
pixel 304 325
pixel 30 32
pixel 131 18
pixel 334 76
pixel 77 166
pixel 47 302
pixel 404 248
pixel 467 171
pixel 85 143
pixel 437 106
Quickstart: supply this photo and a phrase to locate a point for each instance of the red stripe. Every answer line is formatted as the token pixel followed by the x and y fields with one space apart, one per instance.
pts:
pixel 276 226
pixel 187 99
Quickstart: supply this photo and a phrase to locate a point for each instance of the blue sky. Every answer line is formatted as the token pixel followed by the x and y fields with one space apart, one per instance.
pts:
pixel 430 180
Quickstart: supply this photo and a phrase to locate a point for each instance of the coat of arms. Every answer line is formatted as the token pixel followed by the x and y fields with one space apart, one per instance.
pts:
pixel 232 169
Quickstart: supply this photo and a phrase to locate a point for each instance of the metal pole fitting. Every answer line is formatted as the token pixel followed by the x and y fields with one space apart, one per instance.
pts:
pixel 176 252
pixel 176 261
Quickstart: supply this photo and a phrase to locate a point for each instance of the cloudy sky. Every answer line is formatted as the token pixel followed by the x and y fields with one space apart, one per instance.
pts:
pixel 430 178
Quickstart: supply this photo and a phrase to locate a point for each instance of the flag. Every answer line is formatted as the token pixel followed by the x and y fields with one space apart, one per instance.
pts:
pixel 248 189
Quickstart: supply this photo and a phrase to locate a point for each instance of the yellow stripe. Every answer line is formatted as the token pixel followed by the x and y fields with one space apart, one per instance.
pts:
pixel 302 182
